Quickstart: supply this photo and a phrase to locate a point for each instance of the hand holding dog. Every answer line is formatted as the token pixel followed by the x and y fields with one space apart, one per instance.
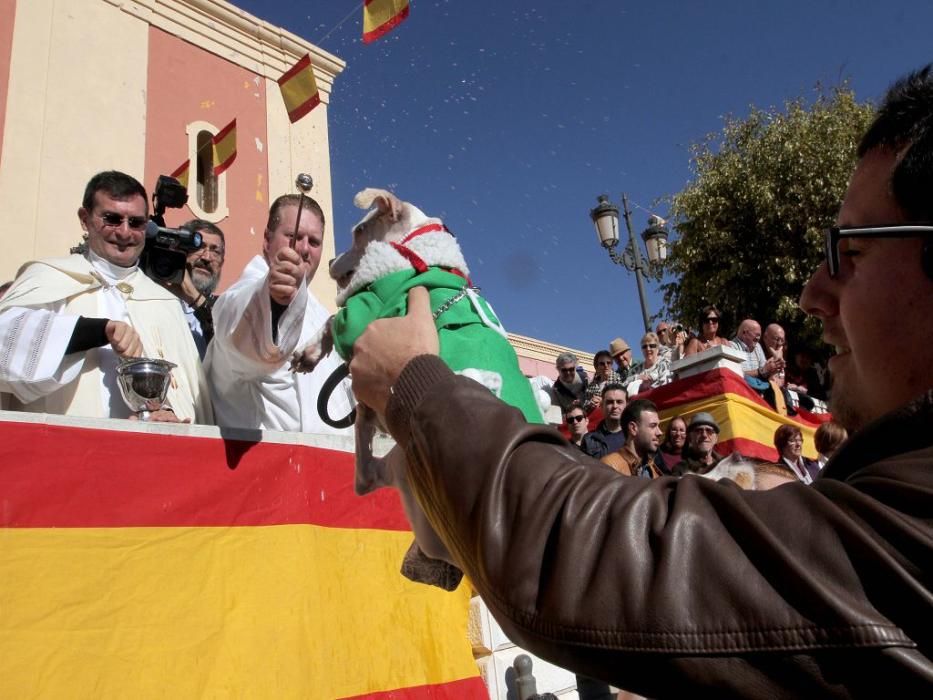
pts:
pixel 286 274
pixel 387 345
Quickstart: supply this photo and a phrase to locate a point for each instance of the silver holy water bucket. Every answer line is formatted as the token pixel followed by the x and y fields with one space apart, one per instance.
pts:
pixel 144 383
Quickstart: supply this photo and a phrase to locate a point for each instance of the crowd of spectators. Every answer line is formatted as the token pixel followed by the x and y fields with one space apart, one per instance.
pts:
pixel 628 435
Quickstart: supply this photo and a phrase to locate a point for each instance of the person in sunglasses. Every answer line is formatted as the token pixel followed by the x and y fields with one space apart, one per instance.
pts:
pixel 576 424
pixel 654 371
pixel 709 332
pixel 680 587
pixel 67 322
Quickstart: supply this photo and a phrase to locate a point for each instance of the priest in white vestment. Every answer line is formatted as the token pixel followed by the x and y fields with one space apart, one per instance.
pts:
pixel 66 322
pixel 262 319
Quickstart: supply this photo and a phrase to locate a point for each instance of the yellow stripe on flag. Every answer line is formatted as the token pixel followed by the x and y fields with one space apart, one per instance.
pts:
pixel 225 148
pixel 294 611
pixel 181 173
pixel 382 16
pixel 299 89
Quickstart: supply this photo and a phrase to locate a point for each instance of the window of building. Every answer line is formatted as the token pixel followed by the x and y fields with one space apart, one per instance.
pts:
pixel 207 193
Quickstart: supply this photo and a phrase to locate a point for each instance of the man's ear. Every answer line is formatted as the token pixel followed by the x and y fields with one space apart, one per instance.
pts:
pixel 83 214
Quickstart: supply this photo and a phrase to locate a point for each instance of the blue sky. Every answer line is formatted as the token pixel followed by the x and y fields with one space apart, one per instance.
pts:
pixel 507 119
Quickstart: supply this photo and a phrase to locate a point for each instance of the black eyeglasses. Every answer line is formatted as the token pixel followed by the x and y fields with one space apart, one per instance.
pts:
pixel 711 319
pixel 604 363
pixel 115 220
pixel 832 236
pixel 575 419
pixel 649 346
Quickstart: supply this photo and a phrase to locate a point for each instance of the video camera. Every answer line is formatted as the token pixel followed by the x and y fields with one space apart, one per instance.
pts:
pixel 165 254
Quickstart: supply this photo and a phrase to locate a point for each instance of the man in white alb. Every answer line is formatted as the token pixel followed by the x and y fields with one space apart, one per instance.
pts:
pixel 262 319
pixel 66 322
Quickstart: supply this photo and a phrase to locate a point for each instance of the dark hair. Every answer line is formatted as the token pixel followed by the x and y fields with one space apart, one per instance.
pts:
pixel 828 437
pixel 904 122
pixel 633 411
pixel 601 353
pixel 572 406
pixel 275 211
pixel 114 184
pixel 196 225
pixel 783 435
pixel 613 386
pixel 705 311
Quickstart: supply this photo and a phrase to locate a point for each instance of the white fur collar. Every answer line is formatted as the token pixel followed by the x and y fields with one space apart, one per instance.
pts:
pixel 437 249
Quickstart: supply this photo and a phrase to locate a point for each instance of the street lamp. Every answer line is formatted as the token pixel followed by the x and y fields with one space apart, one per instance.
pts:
pixel 606 220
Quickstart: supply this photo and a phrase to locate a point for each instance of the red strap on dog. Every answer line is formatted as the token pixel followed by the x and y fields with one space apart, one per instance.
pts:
pixel 412 257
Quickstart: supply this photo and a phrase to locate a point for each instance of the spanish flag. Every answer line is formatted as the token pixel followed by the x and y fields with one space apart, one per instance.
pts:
pixel 299 89
pixel 181 173
pixel 225 148
pixel 381 17
pixel 174 562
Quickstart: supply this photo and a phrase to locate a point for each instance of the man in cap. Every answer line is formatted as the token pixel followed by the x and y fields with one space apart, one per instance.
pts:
pixel 622 354
pixel 700 455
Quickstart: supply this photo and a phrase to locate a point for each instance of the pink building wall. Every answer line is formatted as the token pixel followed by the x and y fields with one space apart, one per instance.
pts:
pixel 185 84
pixel 7 18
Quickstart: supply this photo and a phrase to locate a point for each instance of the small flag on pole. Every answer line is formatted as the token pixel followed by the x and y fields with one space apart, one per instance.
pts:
pixel 181 173
pixel 225 148
pixel 299 89
pixel 382 16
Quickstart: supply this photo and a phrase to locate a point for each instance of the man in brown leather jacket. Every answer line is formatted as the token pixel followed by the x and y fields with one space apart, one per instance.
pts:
pixel 668 586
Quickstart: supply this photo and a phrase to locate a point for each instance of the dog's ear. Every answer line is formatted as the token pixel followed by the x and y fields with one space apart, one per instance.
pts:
pixel 383 200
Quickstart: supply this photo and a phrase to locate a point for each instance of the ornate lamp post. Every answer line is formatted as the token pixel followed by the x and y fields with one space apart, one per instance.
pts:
pixel 605 218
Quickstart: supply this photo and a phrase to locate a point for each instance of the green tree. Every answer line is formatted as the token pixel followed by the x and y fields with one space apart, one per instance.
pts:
pixel 749 223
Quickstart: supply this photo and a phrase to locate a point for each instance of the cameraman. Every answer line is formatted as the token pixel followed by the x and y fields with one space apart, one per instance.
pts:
pixel 202 273
pixel 67 322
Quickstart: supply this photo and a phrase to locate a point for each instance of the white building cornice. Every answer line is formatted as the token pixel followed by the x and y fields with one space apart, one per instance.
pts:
pixel 235 35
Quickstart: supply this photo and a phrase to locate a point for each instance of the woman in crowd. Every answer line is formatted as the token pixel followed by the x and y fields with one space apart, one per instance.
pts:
pixel 829 436
pixel 576 423
pixel 604 374
pixel 709 332
pixel 674 440
pixel 654 372
pixel 789 443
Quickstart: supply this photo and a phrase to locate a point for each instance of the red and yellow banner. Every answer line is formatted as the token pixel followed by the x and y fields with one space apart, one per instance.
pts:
pixel 382 16
pixel 225 148
pixel 299 89
pixel 181 173
pixel 151 565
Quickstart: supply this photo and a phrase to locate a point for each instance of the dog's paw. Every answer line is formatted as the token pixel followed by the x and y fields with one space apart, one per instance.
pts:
pixel 305 360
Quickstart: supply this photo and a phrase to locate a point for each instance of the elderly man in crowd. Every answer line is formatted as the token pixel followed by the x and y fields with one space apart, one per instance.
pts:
pixel 700 455
pixel 202 275
pixel 801 591
pixel 262 319
pixel 571 382
pixel 622 354
pixel 67 322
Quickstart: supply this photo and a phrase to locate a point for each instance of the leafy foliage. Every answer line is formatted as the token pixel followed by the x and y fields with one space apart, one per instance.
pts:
pixel 749 223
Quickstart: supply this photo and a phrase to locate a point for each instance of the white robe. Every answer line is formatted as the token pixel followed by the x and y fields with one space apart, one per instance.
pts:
pixel 249 373
pixel 38 316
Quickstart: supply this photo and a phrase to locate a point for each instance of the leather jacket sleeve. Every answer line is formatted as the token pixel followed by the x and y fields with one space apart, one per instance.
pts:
pixel 657 586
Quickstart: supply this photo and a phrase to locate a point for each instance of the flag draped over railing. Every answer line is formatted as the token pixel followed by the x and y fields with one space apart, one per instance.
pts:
pixel 139 564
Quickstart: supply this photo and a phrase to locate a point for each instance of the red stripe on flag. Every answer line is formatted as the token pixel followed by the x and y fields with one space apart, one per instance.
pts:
pixel 304 108
pixel 465 689
pixel 56 476
pixel 305 62
pixel 386 27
